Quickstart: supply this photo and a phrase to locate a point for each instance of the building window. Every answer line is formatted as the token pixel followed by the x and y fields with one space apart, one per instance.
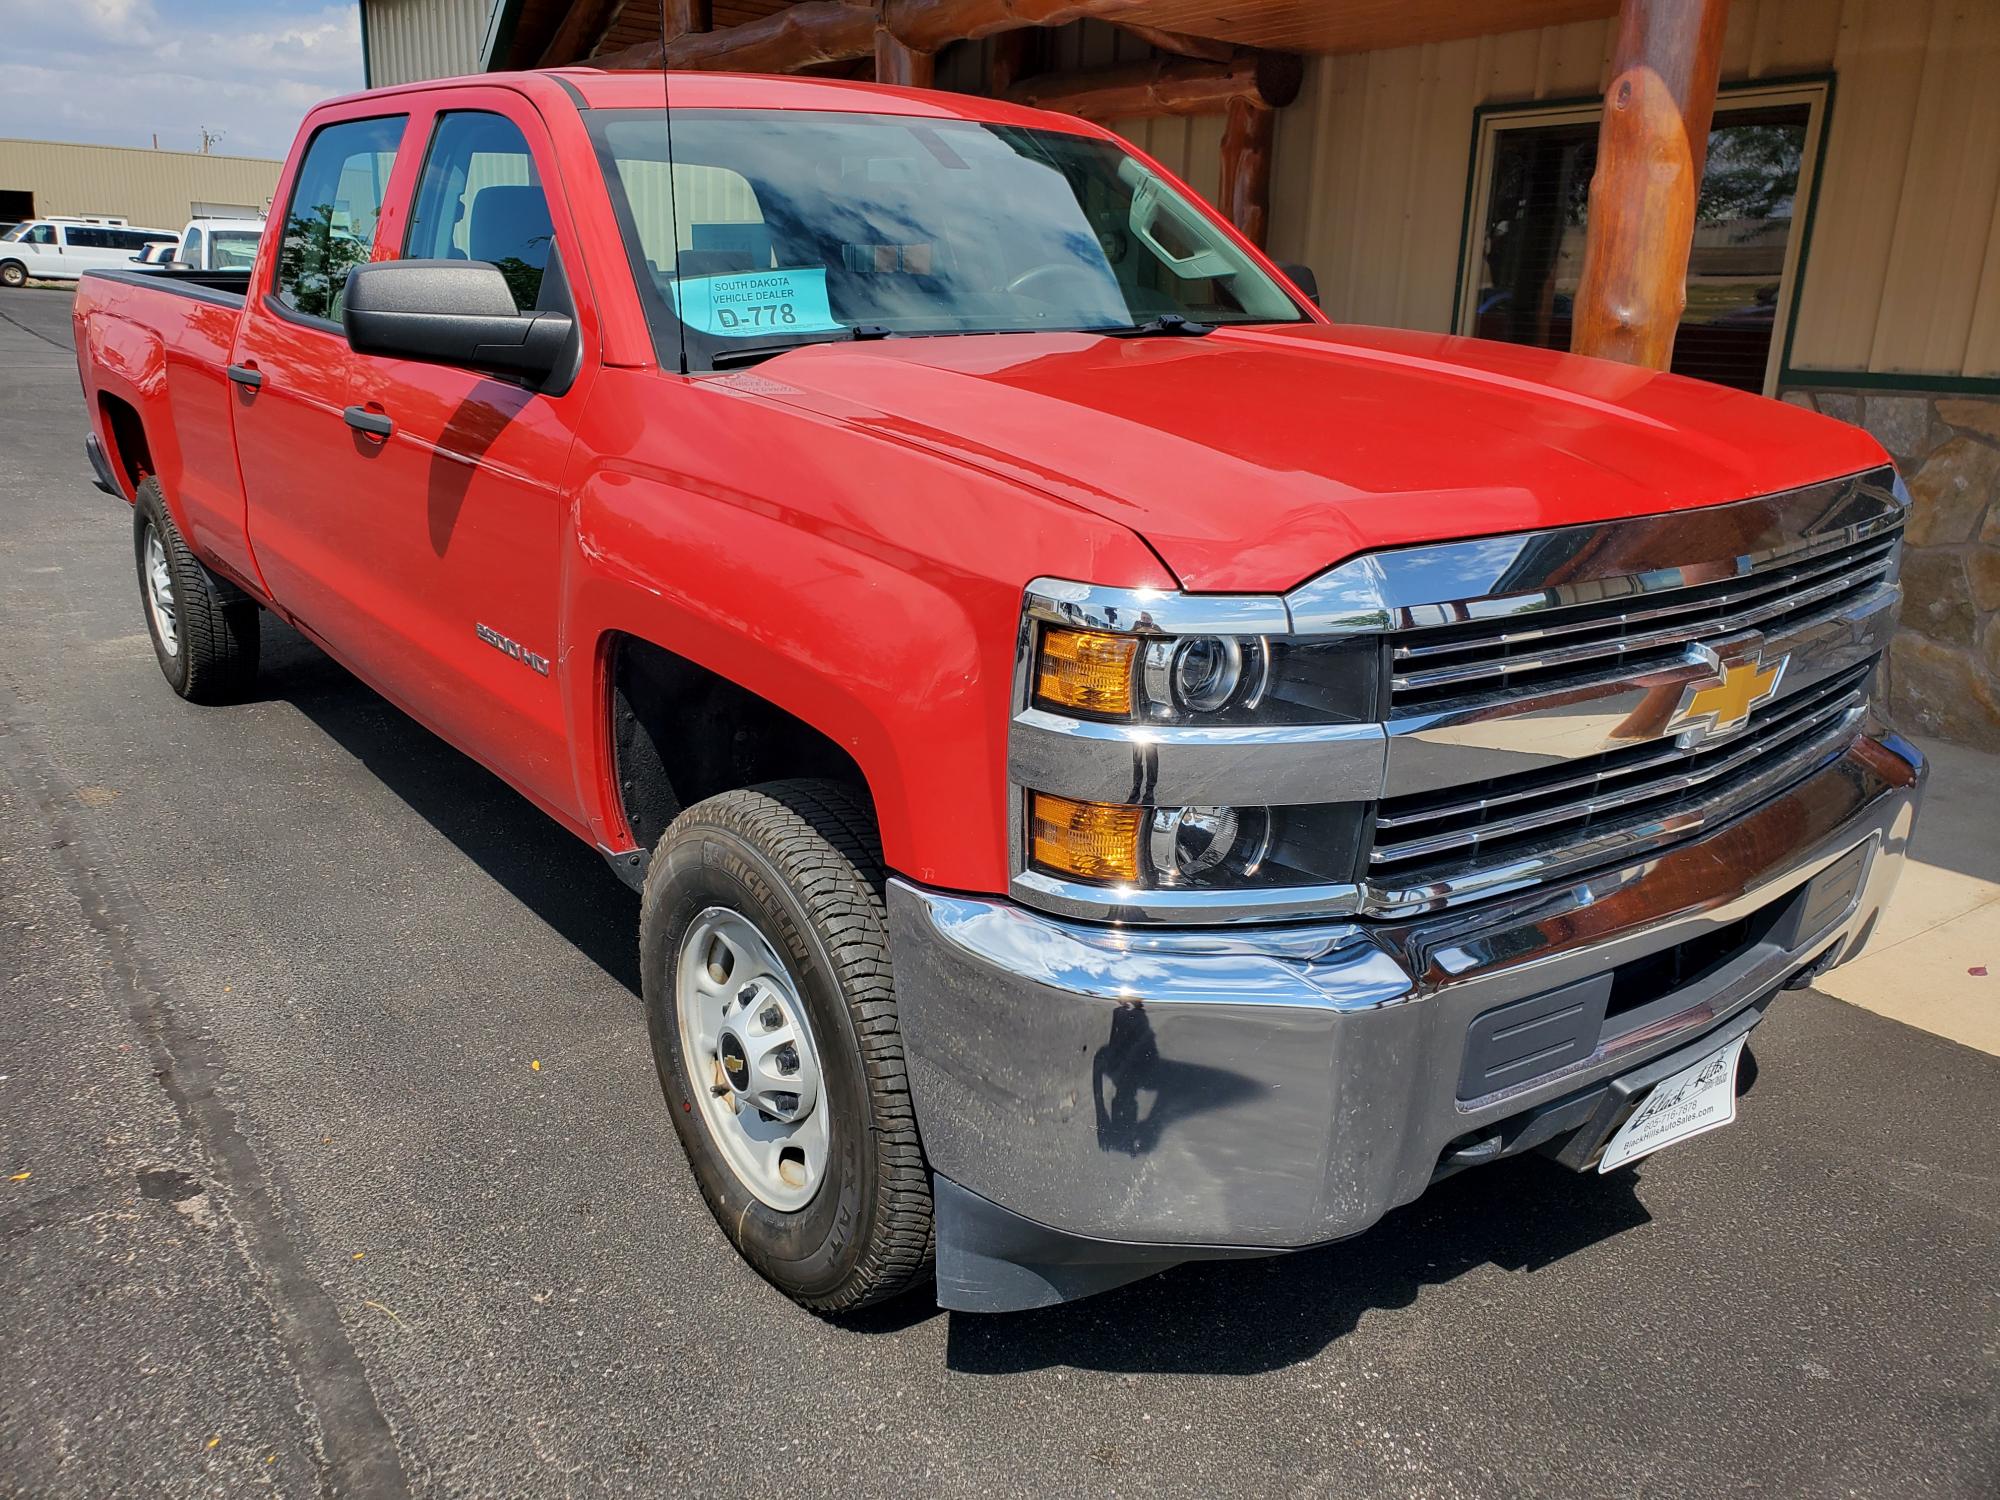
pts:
pixel 1530 206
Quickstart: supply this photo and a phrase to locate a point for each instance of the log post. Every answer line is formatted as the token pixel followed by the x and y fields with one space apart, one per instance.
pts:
pixel 1244 194
pixel 1650 152
pixel 681 17
pixel 897 62
pixel 1007 60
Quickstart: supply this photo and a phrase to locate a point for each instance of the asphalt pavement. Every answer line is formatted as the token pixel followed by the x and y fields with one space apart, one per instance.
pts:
pixel 288 1206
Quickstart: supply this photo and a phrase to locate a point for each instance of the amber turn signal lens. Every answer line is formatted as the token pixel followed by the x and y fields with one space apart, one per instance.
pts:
pixel 1086 840
pixel 1087 669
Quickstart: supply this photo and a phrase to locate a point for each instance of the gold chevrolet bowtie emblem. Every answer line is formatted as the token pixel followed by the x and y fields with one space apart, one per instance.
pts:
pixel 1719 703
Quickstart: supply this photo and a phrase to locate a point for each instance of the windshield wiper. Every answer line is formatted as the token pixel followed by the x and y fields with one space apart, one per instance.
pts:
pixel 751 354
pixel 1165 325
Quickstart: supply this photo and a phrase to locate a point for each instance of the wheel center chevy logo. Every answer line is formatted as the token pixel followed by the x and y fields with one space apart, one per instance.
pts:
pixel 1720 701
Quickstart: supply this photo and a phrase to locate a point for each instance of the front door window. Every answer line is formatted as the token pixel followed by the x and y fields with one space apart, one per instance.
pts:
pixel 329 226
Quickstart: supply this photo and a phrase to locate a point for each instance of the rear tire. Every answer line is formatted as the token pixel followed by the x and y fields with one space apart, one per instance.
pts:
pixel 205 632
pixel 799 863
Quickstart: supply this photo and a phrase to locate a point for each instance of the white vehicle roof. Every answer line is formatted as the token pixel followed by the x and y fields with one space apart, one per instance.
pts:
pixel 72 221
pixel 206 225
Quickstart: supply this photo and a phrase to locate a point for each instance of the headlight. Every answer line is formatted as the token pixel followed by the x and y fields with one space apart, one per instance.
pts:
pixel 1188 843
pixel 1205 679
pixel 1205 674
pixel 1192 848
pixel 1182 757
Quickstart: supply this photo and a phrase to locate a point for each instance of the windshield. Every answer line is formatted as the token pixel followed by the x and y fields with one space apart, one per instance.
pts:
pixel 232 249
pixel 789 226
pixel 15 233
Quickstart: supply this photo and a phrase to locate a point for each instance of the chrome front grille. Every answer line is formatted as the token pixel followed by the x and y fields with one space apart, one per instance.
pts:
pixel 1633 628
pixel 1567 817
pixel 1544 706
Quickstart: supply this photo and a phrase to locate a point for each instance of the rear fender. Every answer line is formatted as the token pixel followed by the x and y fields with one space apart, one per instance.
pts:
pixel 128 361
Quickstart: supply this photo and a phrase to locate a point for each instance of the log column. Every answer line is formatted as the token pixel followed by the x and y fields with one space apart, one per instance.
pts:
pixel 898 62
pixel 1244 194
pixel 1650 152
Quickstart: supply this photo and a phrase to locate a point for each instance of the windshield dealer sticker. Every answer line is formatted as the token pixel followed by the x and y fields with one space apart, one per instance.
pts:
pixel 741 304
pixel 1696 1099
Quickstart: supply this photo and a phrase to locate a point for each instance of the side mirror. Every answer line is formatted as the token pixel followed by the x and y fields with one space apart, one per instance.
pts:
pixel 1303 279
pixel 451 312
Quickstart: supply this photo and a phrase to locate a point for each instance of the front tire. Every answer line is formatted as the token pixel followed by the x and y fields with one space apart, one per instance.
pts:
pixel 205 634
pixel 764 956
pixel 13 274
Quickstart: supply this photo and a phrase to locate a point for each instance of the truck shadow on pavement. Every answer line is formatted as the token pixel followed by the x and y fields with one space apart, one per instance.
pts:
pixel 554 874
pixel 1250 1317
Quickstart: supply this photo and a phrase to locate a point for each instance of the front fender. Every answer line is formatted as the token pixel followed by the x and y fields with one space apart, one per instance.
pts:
pixel 869 588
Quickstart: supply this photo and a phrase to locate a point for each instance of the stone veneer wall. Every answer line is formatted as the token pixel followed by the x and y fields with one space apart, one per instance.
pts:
pixel 1943 672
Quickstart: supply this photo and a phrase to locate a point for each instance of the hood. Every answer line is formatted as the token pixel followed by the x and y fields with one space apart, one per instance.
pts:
pixel 1252 459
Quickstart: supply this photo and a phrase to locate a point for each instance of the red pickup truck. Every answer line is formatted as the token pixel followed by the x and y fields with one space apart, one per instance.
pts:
pixel 1120 770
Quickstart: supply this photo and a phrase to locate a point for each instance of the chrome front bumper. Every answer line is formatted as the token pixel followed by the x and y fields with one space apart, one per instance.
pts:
pixel 1185 1093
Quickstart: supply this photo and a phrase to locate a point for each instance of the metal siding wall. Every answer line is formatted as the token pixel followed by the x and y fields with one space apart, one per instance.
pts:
pixel 1903 268
pixel 154 189
pixel 1907 227
pixel 412 40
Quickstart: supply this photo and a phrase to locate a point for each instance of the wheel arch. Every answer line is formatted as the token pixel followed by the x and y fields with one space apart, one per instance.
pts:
pixel 678 732
pixel 122 431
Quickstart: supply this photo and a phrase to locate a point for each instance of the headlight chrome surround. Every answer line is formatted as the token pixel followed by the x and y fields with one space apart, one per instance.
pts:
pixel 1250 752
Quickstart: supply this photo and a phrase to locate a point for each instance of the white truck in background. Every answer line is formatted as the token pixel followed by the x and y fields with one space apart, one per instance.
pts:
pixel 219 244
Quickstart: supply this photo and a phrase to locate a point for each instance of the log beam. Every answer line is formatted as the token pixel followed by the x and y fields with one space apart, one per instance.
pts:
pixel 1244 193
pixel 580 29
pixel 1650 152
pixel 928 24
pixel 1265 80
pixel 1178 43
pixel 826 31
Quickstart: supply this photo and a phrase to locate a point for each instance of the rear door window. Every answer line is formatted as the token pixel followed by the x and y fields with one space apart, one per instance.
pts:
pixel 329 225
pixel 480 198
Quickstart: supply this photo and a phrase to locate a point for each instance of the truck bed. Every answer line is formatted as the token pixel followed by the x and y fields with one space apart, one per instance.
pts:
pixel 226 287
pixel 153 348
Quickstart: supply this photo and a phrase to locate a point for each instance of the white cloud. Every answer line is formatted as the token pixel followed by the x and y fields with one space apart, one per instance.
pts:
pixel 119 72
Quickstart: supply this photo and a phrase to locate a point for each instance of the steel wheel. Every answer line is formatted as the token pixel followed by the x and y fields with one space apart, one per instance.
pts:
pixel 160 594
pixel 753 1068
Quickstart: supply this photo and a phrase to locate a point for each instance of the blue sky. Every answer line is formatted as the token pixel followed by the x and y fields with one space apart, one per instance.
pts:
pixel 115 72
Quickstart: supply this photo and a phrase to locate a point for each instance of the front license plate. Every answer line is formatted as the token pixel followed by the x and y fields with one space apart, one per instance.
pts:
pixel 1695 1099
